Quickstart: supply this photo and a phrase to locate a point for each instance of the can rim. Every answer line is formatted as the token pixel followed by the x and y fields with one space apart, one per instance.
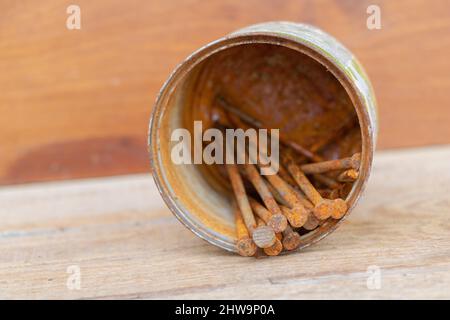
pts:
pixel 242 37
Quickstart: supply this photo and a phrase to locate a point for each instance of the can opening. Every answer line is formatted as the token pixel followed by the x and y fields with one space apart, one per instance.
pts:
pixel 284 85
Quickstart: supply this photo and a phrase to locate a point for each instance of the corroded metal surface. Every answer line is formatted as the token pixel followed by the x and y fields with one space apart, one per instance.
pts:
pixel 187 190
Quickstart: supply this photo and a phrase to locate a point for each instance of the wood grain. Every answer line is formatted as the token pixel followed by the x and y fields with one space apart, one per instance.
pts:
pixel 77 103
pixel 128 245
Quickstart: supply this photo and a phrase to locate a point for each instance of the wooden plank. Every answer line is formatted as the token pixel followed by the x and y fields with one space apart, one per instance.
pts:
pixel 77 103
pixel 126 244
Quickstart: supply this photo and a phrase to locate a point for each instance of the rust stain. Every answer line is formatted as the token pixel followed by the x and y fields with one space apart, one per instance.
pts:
pixel 92 157
pixel 282 89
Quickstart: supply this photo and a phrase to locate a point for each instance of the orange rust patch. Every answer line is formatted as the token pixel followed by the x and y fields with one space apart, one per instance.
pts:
pixel 80 159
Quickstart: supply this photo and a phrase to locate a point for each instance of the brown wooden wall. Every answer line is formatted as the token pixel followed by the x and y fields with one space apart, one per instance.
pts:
pixel 77 103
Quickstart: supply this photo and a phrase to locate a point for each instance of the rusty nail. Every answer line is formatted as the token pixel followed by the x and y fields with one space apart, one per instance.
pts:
pixel 284 174
pixel 326 180
pixel 323 208
pixel 352 162
pixel 295 218
pixel 274 249
pixel 286 192
pixel 277 222
pixel 308 206
pixel 291 239
pixel 260 185
pixel 311 223
pixel 335 193
pixel 349 175
pixel 262 236
pixel 245 245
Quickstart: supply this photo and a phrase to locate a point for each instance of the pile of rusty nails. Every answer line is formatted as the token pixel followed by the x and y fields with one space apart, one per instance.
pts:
pixel 288 200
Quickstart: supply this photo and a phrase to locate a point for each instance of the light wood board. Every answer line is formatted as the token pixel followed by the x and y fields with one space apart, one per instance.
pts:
pixel 126 244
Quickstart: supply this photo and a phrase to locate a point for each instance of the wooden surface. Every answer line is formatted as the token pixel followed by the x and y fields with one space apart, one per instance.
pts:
pixel 126 244
pixel 77 103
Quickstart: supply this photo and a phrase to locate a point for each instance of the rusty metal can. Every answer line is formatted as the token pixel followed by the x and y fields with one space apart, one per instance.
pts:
pixel 185 189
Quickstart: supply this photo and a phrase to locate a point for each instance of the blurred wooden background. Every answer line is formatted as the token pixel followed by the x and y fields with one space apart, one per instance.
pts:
pixel 76 103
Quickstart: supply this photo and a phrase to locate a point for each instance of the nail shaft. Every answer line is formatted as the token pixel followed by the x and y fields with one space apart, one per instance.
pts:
pixel 311 223
pixel 326 180
pixel 295 218
pixel 352 162
pixel 241 196
pixel 349 175
pixel 323 208
pixel 277 222
pixel 260 185
pixel 276 248
pixel 263 237
pixel 291 239
pixel 245 245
